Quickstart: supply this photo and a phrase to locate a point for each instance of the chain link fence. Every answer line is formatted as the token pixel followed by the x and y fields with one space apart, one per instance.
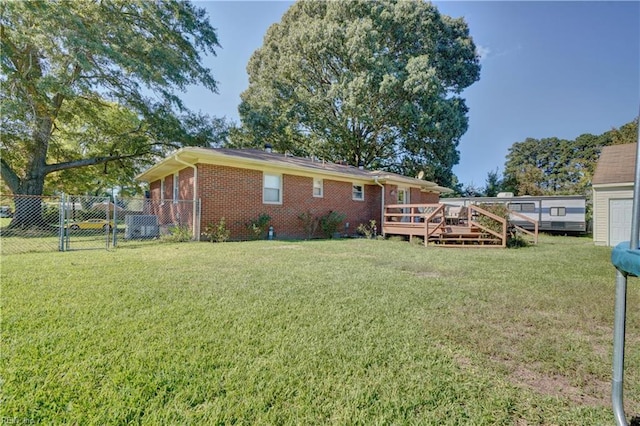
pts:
pixel 143 220
pixel 69 222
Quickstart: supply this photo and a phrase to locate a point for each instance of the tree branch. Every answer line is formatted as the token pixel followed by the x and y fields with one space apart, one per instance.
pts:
pixel 85 162
pixel 9 176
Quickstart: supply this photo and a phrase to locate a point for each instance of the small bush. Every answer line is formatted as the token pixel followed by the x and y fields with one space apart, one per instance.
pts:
pixel 330 223
pixel 178 234
pixel 258 227
pixel 369 230
pixel 217 232
pixel 309 223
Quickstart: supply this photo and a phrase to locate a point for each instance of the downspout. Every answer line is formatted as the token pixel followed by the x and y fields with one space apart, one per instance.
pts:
pixel 381 205
pixel 196 224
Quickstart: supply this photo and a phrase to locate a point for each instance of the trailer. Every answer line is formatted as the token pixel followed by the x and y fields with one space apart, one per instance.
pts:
pixel 554 213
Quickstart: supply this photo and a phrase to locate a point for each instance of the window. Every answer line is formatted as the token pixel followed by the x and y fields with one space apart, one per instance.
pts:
pixel 162 190
pixel 523 207
pixel 272 189
pixel 176 188
pixel 358 192
pixel 317 187
pixel 558 211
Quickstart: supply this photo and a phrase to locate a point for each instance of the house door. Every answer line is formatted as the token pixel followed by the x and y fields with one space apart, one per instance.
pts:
pixel 403 198
pixel 619 220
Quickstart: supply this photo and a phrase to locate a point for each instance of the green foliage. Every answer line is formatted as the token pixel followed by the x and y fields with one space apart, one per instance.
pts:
pixel 514 239
pixel 500 210
pixel 368 230
pixel 371 82
pixel 92 85
pixel 553 166
pixel 330 223
pixel 258 227
pixel 178 234
pixel 217 232
pixel 310 223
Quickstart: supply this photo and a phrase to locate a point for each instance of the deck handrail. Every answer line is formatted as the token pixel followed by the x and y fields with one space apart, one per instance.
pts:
pixel 501 220
pixel 534 234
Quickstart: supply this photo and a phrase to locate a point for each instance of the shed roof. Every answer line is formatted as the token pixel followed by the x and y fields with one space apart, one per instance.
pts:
pixel 254 158
pixel 617 164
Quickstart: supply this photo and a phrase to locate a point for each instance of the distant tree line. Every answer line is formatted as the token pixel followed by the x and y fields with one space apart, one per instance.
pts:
pixel 550 166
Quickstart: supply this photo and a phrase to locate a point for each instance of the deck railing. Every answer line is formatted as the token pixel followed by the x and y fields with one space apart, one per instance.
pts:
pixel 519 228
pixel 475 213
pixel 423 220
pixel 430 222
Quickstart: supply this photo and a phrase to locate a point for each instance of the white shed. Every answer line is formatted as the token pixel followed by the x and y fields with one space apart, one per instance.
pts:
pixel 613 194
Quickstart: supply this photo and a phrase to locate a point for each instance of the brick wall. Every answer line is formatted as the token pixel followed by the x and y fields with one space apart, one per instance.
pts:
pixel 236 195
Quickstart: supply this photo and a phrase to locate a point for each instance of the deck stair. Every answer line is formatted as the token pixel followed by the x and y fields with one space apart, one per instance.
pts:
pixel 473 227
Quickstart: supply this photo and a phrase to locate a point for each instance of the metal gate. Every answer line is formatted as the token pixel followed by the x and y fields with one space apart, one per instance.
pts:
pixel 86 222
pixel 72 222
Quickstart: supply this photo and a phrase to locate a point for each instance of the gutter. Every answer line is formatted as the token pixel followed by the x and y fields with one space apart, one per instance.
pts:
pixel 381 205
pixel 196 226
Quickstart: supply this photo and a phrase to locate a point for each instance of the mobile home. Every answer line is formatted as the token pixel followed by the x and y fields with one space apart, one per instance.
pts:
pixel 554 213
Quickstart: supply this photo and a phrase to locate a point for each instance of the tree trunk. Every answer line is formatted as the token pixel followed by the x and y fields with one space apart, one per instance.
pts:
pixel 28 194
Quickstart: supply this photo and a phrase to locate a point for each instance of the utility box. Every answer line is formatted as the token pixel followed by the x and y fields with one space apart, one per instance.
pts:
pixel 141 226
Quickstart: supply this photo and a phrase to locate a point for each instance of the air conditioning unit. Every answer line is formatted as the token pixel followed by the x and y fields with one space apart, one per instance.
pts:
pixel 141 226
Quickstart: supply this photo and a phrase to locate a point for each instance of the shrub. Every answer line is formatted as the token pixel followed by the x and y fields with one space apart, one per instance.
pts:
pixel 258 227
pixel 514 240
pixel 178 234
pixel 330 223
pixel 369 230
pixel 309 223
pixel 217 232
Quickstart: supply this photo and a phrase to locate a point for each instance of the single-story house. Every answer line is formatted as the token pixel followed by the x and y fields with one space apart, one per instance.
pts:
pixel 241 184
pixel 613 194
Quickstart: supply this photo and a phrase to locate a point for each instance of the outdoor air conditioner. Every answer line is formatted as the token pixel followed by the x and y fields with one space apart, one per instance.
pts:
pixel 141 226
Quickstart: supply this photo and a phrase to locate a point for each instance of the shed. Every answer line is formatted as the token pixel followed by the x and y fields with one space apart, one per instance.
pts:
pixel 613 194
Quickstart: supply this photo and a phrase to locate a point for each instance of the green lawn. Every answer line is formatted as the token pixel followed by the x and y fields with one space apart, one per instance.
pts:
pixel 338 332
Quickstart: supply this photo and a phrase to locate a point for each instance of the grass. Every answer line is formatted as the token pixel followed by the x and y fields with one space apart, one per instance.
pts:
pixel 342 332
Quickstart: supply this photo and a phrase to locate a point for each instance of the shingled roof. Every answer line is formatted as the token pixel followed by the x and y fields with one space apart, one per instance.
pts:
pixel 617 164
pixel 253 157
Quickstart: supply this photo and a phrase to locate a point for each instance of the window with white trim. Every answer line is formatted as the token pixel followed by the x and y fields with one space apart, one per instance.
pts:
pixel 357 192
pixel 318 187
pixel 176 188
pixel 557 211
pixel 272 189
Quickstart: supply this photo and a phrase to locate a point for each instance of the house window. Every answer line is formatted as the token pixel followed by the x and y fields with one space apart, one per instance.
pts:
pixel 558 211
pixel 358 192
pixel 317 187
pixel 162 190
pixel 272 189
pixel 176 188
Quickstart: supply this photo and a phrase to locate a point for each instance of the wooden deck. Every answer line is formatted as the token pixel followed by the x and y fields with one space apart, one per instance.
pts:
pixel 434 224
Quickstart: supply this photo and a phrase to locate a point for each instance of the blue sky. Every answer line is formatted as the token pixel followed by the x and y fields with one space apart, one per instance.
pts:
pixel 548 69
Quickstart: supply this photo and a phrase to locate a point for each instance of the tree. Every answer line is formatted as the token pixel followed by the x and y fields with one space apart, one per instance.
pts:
pixel 553 166
pixel 93 83
pixel 373 83
pixel 493 184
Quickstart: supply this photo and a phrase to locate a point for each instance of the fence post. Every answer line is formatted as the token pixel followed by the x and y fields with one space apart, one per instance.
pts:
pixel 115 221
pixel 61 222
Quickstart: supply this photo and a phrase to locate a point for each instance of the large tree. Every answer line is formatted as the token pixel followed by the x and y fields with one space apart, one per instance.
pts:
pixel 94 82
pixel 375 83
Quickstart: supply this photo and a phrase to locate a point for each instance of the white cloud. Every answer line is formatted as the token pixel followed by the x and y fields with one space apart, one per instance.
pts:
pixel 483 51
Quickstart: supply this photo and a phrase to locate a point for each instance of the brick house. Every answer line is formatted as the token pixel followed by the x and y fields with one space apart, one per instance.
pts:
pixel 242 184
